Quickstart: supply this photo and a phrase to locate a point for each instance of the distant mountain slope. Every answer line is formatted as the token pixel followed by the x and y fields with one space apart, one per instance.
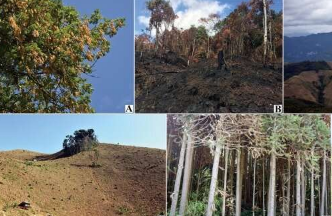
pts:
pixel 313 47
pixel 308 87
pixel 294 69
pixel 130 181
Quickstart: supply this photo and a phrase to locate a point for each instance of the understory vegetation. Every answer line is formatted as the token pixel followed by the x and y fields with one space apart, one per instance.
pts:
pixel 257 165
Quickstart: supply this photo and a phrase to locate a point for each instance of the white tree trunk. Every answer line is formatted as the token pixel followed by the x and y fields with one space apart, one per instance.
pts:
pixel 175 195
pixel 303 189
pixel 322 200
pixel 186 177
pixel 298 186
pixel 254 189
pixel 288 188
pixel 238 185
pixel 312 197
pixel 265 29
pixel 264 188
pixel 225 183
pixel 272 185
pixel 214 178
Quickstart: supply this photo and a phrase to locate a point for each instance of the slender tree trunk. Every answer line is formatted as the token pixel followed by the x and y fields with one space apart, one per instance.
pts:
pixel 186 177
pixel 231 177
pixel 238 183
pixel 175 195
pixel 157 39
pixel 294 192
pixel 303 189
pixel 265 30
pixel 272 185
pixel 322 207
pixel 270 40
pixel 208 47
pixel 263 188
pixel 254 189
pixel 298 186
pixel 288 188
pixel 225 183
pixel 312 196
pixel 214 178
pixel 319 195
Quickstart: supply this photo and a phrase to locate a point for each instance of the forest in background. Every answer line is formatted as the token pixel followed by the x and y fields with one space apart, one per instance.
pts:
pixel 253 30
pixel 249 165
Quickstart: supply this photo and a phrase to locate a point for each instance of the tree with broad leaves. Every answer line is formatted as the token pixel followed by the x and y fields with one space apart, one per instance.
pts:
pixel 45 49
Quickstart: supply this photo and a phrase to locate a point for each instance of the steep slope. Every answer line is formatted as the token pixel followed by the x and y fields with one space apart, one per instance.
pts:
pixel 246 87
pixel 308 91
pixel 130 181
pixel 312 47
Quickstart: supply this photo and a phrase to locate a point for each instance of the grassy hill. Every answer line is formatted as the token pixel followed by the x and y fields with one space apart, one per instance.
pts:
pixel 130 181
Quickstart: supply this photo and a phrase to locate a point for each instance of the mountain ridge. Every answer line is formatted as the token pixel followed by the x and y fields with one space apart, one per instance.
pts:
pixel 313 47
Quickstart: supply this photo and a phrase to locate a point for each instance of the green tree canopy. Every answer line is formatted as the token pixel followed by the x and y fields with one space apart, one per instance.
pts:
pixel 81 140
pixel 289 134
pixel 45 47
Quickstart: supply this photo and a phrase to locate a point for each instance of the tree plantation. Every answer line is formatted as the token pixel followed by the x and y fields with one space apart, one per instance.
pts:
pixel 259 165
pixel 46 47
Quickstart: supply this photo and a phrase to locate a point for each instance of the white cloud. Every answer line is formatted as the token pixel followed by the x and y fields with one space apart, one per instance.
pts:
pixel 302 30
pixel 303 17
pixel 144 20
pixel 197 9
pixel 175 4
pixel 189 12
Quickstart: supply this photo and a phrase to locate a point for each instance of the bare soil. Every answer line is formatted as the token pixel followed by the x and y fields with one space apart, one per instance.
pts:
pixel 130 181
pixel 165 85
pixel 308 91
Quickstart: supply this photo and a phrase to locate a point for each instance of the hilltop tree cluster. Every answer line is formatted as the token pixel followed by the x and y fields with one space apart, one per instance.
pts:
pixel 252 30
pixel 81 140
pixel 46 47
pixel 249 165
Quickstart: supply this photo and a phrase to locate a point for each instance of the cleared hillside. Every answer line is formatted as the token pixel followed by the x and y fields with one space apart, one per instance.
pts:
pixel 130 181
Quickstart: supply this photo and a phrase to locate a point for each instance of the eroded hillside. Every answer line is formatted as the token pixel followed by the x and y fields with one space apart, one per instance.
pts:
pixel 309 91
pixel 130 181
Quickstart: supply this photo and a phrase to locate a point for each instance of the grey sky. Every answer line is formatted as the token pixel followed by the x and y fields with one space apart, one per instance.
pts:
pixel 304 17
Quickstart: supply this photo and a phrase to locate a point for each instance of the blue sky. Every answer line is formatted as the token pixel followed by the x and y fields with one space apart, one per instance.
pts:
pixel 45 133
pixel 190 11
pixel 115 87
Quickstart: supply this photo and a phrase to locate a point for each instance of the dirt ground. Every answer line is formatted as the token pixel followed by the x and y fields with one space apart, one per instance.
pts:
pixel 130 181
pixel 168 86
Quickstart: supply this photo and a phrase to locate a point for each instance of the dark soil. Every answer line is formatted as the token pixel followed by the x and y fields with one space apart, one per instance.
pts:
pixel 293 105
pixel 166 87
